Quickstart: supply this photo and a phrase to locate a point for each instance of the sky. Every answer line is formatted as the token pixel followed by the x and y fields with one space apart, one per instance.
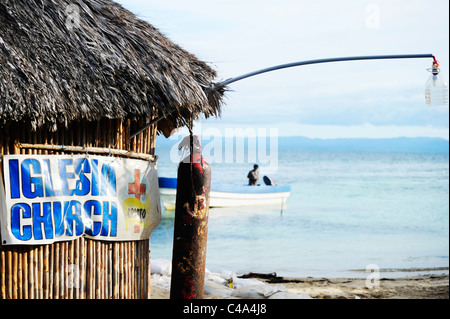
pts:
pixel 371 99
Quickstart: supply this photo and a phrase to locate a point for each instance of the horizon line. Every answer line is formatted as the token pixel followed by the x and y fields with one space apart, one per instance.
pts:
pixel 289 129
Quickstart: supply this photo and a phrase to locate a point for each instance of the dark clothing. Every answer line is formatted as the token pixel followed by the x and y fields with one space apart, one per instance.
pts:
pixel 253 177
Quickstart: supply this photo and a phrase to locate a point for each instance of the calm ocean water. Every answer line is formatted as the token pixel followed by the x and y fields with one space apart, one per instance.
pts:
pixel 347 210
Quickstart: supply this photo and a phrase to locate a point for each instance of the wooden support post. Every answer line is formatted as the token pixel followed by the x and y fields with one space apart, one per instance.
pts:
pixel 191 228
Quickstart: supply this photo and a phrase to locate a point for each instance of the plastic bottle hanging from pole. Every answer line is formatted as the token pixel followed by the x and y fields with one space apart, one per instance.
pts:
pixel 436 89
pixel 191 149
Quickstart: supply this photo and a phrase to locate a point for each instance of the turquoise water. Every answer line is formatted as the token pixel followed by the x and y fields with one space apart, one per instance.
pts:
pixel 347 210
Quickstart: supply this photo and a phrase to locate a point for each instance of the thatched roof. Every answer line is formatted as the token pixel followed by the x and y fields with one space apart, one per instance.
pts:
pixel 111 64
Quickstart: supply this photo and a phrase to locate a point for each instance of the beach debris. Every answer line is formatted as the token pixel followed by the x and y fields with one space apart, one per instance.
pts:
pixel 260 275
pixel 217 285
pixel 271 278
pixel 161 266
pixel 230 283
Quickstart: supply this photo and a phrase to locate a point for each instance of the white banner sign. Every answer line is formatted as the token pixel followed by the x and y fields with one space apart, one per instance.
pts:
pixel 49 198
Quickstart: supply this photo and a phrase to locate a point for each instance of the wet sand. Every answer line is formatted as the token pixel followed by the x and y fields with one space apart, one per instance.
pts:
pixel 418 287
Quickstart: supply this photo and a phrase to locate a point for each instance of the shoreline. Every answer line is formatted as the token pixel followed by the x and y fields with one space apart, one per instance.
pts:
pixel 388 273
pixel 411 287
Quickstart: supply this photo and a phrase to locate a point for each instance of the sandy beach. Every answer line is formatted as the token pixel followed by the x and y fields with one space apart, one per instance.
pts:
pixel 417 287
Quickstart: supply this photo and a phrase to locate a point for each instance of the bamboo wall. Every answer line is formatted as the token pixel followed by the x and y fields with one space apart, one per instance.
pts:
pixel 82 268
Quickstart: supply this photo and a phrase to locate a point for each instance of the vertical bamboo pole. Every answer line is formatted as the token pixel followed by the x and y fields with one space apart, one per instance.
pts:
pixel 89 269
pixel 25 274
pixel 69 281
pixel 46 275
pixel 3 274
pixel 30 262
pixel 76 269
pixel 132 271
pixel 125 269
pixel 82 289
pixel 131 261
pixel 97 270
pixel 122 270
pixel 14 272
pixel 103 281
pixel 40 269
pixel 116 276
pixel 82 133
pixel 138 271
pixel 107 271
pixel 51 270
pixel 108 258
pixel 62 271
pixel 20 272
pixel 9 274
pixel 56 264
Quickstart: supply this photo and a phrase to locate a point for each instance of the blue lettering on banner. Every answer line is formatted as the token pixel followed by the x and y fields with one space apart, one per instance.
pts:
pixel 109 175
pixel 83 185
pixel 73 215
pixel 65 176
pixel 92 207
pixel 109 219
pixel 49 189
pixel 55 199
pixel 31 186
pixel 19 211
pixel 44 219
pixel 95 181
pixel 14 178
pixel 59 219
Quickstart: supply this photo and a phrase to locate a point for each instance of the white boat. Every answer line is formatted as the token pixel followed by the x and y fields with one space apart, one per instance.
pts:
pixel 228 195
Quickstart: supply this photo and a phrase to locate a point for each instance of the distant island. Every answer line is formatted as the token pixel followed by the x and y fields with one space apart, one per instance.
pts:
pixel 400 144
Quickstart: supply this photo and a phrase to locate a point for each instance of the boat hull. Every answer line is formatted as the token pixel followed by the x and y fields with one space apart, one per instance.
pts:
pixel 223 195
pixel 168 196
pixel 220 199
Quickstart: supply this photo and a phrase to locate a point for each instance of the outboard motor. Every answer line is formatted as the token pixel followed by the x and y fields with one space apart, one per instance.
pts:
pixel 268 181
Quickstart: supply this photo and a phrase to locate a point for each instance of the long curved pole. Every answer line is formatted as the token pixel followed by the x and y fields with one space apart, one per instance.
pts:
pixel 351 58
pixel 220 85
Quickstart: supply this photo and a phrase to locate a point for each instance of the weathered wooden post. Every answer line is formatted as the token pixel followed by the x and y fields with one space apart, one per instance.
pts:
pixel 191 223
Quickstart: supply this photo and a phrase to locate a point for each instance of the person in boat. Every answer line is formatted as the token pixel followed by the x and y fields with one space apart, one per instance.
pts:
pixel 253 175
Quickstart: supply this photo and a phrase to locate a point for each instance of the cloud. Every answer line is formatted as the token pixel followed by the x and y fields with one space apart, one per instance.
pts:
pixel 238 36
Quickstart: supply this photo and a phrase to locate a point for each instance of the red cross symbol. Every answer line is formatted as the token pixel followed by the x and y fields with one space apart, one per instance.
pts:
pixel 136 188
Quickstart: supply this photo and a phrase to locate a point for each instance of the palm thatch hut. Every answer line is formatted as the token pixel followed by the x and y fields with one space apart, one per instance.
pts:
pixel 85 74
